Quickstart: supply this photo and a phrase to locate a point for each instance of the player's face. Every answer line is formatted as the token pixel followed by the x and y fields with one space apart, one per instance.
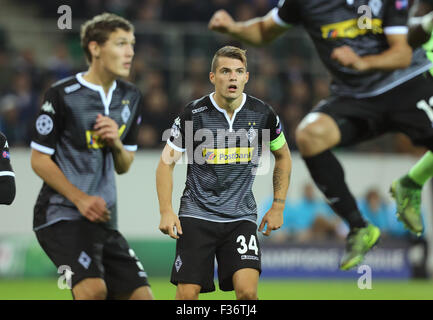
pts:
pixel 229 78
pixel 117 52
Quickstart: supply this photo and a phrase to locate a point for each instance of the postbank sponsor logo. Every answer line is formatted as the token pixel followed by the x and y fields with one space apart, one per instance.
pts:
pixel 350 29
pixel 228 155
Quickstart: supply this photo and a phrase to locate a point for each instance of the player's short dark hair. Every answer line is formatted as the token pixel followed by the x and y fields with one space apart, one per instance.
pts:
pixel 229 52
pixel 99 29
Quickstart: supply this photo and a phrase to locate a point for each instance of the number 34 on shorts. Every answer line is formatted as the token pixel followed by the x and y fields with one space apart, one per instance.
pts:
pixel 244 247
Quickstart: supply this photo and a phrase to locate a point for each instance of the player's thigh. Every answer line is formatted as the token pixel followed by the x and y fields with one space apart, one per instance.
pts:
pixel 194 261
pixel 124 272
pixel 75 246
pixel 245 282
pixel 240 250
pixel 412 110
pixel 340 121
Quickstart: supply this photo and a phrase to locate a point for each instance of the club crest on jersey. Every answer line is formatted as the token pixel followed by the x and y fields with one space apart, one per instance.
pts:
pixel 175 128
pixel 375 6
pixel 5 155
pixel 126 113
pixel 251 134
pixel 48 107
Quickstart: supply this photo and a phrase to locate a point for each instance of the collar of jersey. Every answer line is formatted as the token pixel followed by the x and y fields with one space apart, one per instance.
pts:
pixel 106 99
pixel 232 120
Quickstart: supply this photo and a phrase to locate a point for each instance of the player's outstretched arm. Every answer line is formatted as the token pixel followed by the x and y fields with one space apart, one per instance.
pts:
pixel 164 186
pixel 281 181
pixel 420 24
pixel 398 55
pixel 92 207
pixel 257 31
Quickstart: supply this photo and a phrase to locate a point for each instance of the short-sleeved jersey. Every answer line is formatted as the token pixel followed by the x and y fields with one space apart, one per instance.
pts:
pixel 223 156
pixel 7 176
pixel 361 25
pixel 5 164
pixel 64 130
pixel 429 2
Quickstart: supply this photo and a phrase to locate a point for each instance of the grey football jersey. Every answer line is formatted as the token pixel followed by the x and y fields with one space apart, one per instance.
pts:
pixel 223 154
pixel 335 23
pixel 64 130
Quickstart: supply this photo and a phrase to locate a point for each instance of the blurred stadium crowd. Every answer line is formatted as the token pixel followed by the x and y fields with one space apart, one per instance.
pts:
pixel 309 218
pixel 170 70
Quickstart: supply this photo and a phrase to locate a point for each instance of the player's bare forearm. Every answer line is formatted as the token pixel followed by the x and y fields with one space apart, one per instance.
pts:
pixel 420 24
pixel 394 58
pixel 281 176
pixel 164 186
pixel 169 222
pixel 94 208
pixel 164 177
pixel 399 55
pixel 48 171
pixel 273 219
pixel 258 31
pixel 122 158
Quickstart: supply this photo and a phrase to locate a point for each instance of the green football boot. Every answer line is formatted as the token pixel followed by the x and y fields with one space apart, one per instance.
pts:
pixel 408 201
pixel 359 242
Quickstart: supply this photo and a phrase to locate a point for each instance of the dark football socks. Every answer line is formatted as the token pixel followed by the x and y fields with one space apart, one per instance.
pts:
pixel 328 174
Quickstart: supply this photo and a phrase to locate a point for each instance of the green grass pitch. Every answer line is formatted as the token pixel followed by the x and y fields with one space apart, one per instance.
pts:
pixel 282 289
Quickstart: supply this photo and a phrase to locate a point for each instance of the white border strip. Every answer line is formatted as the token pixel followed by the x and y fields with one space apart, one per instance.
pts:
pixel 131 148
pixel 42 148
pixel 396 30
pixel 7 173
pixel 171 144
pixel 278 20
pixel 106 99
pixel 232 120
pixel 218 221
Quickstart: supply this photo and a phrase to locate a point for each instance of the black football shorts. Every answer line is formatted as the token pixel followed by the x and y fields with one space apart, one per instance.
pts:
pixel 92 251
pixel 234 245
pixel 407 108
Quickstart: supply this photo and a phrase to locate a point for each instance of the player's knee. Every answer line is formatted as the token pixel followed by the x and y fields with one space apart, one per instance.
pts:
pixel 308 136
pixel 246 294
pixel 90 290
pixel 187 292
pixel 313 138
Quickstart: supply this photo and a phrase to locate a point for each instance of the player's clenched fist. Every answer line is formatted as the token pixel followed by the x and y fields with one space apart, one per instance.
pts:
pixel 221 21
pixel 94 208
pixel 347 57
pixel 169 224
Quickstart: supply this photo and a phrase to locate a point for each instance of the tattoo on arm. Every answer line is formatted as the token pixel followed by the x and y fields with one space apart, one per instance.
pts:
pixel 277 179
pixel 279 201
